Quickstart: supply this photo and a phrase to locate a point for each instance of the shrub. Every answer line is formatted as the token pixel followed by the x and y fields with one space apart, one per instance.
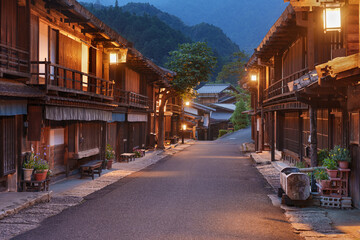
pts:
pixel 321 174
pixel 222 132
pixel 109 153
pixel 300 165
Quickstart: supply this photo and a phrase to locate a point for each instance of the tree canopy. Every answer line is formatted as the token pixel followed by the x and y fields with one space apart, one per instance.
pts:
pixel 233 71
pixel 193 63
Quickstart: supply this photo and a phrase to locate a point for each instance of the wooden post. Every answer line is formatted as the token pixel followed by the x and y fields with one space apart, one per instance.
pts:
pixel 313 144
pixel 261 131
pixel 311 41
pixel 300 137
pixel 345 117
pixel 272 135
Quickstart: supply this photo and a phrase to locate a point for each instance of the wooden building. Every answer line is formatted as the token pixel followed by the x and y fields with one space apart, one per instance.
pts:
pixel 216 93
pixel 302 95
pixel 69 85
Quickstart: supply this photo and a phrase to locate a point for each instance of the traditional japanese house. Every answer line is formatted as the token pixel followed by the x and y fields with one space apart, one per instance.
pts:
pixel 69 84
pixel 300 104
pixel 216 93
pixel 220 119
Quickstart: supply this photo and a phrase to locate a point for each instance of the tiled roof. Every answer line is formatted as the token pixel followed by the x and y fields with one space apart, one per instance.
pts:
pixel 225 106
pixel 220 116
pixel 213 88
pixel 16 89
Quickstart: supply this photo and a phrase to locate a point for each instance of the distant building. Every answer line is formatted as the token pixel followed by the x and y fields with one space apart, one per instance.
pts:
pixel 216 93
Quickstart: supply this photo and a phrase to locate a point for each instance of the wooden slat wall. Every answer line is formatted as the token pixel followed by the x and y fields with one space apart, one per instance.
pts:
pixel 352 31
pixel 7 146
pixel 90 134
pixel 8 22
pixel 132 81
pixel 69 52
pixel 293 59
pixel 291 131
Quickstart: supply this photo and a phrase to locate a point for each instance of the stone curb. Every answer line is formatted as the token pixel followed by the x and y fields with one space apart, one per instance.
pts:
pixel 45 197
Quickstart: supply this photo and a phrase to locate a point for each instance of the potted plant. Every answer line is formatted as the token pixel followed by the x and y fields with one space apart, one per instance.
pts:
pixel 28 167
pixel 109 156
pixel 342 156
pixel 137 152
pixel 331 167
pixel 321 155
pixel 322 177
pixel 41 169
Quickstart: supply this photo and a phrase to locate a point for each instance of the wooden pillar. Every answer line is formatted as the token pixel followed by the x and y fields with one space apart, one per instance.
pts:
pixel 345 117
pixel 261 131
pixel 272 135
pixel 313 136
pixel 311 42
pixel 300 127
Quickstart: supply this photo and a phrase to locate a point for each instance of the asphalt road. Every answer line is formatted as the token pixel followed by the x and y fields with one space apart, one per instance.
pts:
pixel 208 191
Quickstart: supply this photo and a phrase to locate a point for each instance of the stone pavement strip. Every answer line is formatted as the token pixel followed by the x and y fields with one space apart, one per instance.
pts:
pixel 31 217
pixel 310 223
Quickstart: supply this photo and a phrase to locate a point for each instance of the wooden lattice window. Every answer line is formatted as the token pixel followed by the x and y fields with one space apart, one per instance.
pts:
pixel 7 146
pixel 354 128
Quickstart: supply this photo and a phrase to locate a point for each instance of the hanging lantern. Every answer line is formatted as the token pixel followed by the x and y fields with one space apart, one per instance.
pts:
pixel 332 18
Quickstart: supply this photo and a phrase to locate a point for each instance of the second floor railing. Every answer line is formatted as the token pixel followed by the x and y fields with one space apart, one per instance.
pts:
pixel 14 61
pixel 281 87
pixel 127 98
pixel 60 78
pixel 173 108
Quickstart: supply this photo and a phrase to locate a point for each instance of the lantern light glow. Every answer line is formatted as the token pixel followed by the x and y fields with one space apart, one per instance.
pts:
pixel 113 57
pixel 332 19
pixel 253 78
pixel 184 127
pixel 187 103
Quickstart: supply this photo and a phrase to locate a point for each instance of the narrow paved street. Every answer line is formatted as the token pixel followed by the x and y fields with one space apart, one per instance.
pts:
pixel 208 191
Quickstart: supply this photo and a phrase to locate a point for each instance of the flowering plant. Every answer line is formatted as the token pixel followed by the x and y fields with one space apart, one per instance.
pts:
pixel 340 154
pixel 137 152
pixel 41 165
pixel 321 174
pixel 109 153
pixel 330 163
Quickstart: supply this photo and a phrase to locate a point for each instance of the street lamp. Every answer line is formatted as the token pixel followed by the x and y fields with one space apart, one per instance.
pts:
pixel 113 58
pixel 187 103
pixel 253 77
pixel 183 127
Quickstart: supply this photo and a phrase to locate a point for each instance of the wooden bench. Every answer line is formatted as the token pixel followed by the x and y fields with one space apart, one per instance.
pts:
pixel 91 168
pixel 127 157
pixel 35 186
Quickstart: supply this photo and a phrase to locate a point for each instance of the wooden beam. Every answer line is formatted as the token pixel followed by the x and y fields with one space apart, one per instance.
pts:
pixel 311 42
pixel 75 20
pixel 91 30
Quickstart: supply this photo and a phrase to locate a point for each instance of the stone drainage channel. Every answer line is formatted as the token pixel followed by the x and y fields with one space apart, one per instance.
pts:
pixel 31 217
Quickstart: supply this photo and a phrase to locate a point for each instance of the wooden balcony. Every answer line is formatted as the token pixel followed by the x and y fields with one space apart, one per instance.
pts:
pixel 131 99
pixel 281 88
pixel 174 108
pixel 14 61
pixel 61 79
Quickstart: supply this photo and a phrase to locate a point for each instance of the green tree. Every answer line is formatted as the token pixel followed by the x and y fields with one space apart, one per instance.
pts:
pixel 239 119
pixel 192 63
pixel 233 71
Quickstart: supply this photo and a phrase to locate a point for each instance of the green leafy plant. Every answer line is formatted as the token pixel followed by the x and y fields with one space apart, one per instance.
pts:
pixel 321 174
pixel 222 132
pixel 340 154
pixel 109 152
pixel 30 162
pixel 300 165
pixel 137 152
pixel 330 163
pixel 321 155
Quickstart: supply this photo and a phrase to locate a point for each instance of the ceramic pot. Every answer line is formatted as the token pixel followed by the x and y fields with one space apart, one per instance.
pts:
pixel 325 184
pixel 27 173
pixel 109 164
pixel 40 176
pixel 332 173
pixel 344 164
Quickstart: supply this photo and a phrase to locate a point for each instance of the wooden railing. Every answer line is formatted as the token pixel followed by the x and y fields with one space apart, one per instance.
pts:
pixel 281 86
pixel 13 60
pixel 59 78
pixel 173 108
pixel 126 98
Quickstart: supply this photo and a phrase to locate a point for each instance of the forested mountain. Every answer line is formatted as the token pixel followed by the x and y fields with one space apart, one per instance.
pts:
pixel 156 33
pixel 204 32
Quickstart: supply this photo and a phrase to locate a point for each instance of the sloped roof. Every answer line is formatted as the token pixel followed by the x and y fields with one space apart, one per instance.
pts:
pixel 221 116
pixel 214 88
pixel 224 106
pixel 203 107
pixel 17 89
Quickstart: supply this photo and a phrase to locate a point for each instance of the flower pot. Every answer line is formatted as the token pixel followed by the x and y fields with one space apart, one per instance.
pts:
pixel 27 173
pixel 332 173
pixel 344 164
pixel 325 184
pixel 109 164
pixel 40 176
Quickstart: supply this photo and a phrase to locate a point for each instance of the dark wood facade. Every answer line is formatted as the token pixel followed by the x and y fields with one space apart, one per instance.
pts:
pixel 300 104
pixel 59 93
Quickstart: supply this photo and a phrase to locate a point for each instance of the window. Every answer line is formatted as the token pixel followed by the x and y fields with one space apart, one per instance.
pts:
pixel 354 128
